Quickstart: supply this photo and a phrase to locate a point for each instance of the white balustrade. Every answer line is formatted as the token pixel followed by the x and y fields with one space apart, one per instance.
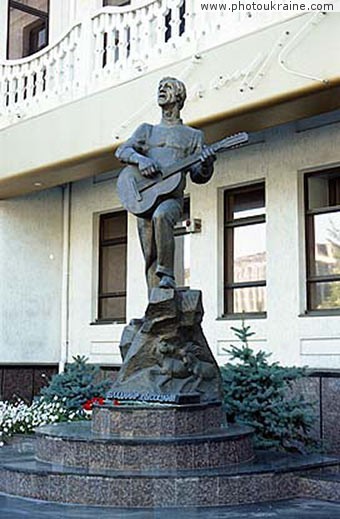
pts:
pixel 34 84
pixel 114 45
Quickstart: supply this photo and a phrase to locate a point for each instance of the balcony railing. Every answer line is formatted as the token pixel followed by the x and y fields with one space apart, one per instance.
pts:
pixel 115 45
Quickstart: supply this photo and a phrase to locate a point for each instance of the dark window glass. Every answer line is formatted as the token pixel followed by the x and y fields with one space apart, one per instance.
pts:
pixel 322 200
pixel 37 37
pixel 112 267
pixel 117 3
pixel 113 309
pixel 27 27
pixel 245 250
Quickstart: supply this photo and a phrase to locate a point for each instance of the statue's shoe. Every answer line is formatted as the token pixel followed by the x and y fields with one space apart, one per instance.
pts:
pixel 167 282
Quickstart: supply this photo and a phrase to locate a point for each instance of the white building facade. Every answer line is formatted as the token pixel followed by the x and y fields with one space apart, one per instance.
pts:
pixel 263 241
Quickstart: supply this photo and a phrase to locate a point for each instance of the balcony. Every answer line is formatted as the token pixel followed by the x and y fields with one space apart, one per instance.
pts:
pixel 116 45
pixel 67 107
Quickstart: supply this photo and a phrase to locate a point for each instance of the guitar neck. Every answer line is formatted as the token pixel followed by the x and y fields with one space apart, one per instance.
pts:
pixel 182 165
pixel 218 146
pixel 188 162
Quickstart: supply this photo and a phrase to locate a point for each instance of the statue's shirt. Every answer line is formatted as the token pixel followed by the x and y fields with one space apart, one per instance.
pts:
pixel 165 143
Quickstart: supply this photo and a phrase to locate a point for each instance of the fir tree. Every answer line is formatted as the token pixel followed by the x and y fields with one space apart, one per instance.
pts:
pixel 260 394
pixel 77 384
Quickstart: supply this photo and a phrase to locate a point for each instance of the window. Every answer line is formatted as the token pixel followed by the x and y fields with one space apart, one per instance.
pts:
pixel 182 250
pixel 245 250
pixel 27 27
pixel 322 204
pixel 36 36
pixel 112 267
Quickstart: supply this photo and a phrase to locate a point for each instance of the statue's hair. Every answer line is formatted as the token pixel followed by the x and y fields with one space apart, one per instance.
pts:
pixel 181 91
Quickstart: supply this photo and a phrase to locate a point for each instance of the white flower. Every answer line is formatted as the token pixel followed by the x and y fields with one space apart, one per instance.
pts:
pixel 19 417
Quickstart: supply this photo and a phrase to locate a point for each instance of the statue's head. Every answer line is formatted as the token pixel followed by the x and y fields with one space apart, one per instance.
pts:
pixel 171 91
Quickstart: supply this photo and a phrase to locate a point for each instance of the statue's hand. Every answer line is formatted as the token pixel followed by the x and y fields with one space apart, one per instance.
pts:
pixel 147 167
pixel 208 156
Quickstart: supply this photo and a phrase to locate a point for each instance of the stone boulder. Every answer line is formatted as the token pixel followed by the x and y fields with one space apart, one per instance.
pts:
pixel 166 355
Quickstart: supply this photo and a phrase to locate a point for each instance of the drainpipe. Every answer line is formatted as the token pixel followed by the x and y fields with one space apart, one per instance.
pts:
pixel 65 288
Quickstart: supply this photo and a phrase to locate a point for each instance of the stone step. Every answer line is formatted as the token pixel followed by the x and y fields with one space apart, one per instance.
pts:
pixel 323 485
pixel 270 477
pixel 75 444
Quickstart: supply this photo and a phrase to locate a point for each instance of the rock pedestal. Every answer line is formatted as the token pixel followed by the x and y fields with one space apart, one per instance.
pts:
pixel 166 355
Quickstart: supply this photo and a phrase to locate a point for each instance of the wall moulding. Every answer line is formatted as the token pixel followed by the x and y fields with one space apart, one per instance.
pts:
pixel 320 346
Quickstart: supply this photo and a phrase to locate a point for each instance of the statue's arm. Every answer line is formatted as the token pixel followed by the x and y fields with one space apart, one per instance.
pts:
pixel 135 147
pixel 134 151
pixel 202 172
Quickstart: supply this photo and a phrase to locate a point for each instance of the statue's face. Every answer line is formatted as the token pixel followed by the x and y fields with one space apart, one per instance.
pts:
pixel 167 93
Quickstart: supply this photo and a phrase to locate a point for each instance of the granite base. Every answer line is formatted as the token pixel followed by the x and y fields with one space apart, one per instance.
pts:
pixel 270 477
pixel 76 445
pixel 158 420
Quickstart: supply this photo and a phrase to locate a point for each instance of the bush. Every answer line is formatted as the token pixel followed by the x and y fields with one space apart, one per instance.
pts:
pixel 260 394
pixel 77 384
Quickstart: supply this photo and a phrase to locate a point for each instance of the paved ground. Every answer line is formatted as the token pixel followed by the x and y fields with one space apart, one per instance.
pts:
pixel 14 508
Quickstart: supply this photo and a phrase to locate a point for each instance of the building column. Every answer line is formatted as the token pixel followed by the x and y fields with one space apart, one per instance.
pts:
pixel 60 19
pixel 85 8
pixel 65 13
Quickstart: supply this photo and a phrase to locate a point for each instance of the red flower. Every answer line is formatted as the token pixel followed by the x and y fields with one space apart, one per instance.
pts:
pixel 88 405
pixel 95 400
pixel 98 400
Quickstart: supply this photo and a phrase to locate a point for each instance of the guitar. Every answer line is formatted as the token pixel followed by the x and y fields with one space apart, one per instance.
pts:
pixel 139 195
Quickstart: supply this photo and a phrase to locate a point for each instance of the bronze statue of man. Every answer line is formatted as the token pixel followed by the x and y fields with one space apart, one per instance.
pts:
pixel 152 148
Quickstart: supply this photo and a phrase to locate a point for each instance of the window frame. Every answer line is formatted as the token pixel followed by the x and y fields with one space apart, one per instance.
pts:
pixel 102 243
pixel 228 252
pixel 41 16
pixel 309 214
